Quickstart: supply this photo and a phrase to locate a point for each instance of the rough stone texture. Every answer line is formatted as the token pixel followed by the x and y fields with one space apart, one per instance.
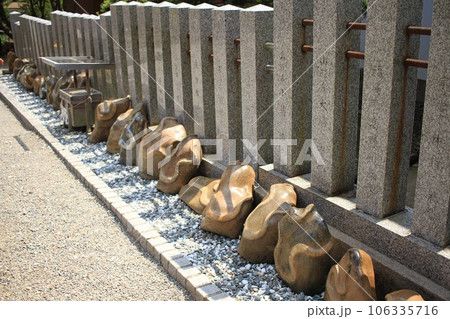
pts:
pixel 231 203
pixel 132 47
pixel 44 29
pixel 336 91
pixel 387 114
pixel 431 209
pixel 50 253
pixel 14 21
pixel 353 279
pixel 24 33
pixel 227 82
pixel 80 35
pixel 257 83
pixel 120 57
pixel 396 243
pixel 202 70
pixel 99 75
pixel 147 59
pixel 181 65
pixel 64 16
pixel 57 32
pixel 73 34
pixel 163 63
pixel 108 56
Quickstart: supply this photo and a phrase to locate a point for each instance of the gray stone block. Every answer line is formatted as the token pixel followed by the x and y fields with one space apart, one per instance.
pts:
pixel 120 57
pixel 181 65
pixel 336 91
pixel 163 63
pixel 147 59
pixel 200 29
pixel 108 56
pixel 257 84
pixel 387 111
pixel 431 205
pixel 227 82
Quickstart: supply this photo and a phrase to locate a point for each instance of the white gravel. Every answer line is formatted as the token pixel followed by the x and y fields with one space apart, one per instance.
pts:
pixel 214 255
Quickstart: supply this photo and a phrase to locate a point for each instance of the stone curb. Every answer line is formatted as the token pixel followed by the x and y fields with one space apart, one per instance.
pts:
pixel 174 262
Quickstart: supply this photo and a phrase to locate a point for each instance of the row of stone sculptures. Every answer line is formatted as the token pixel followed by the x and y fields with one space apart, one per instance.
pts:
pixel 296 240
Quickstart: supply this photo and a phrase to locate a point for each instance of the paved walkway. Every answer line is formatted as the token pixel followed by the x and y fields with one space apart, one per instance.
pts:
pixel 57 241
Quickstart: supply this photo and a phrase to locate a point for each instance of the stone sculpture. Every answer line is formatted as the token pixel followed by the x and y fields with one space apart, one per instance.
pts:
pixel 27 75
pixel 302 253
pixel 50 82
pixel 198 192
pixel 67 81
pixel 231 203
pixel 112 145
pixel 37 83
pixel 130 139
pixel 10 58
pixel 18 65
pixel 260 234
pixel 353 279
pixel 404 295
pixel 154 146
pixel 181 166
pixel 106 114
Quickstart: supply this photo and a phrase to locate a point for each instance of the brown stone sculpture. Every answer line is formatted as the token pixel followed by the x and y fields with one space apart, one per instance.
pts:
pixel 353 279
pixel 404 295
pixel 112 145
pixel 231 203
pixel 37 83
pixel 27 74
pixel 18 65
pixel 302 252
pixel 198 192
pixel 131 137
pixel 67 81
pixel 50 82
pixel 181 166
pixel 260 234
pixel 154 146
pixel 106 114
pixel 10 58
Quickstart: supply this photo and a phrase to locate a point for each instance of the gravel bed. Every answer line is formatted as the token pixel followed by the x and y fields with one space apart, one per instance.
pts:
pixel 214 255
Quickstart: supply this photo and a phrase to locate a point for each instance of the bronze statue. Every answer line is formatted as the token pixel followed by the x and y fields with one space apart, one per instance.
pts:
pixel 131 136
pixel 106 114
pixel 198 192
pixel 353 279
pixel 302 253
pixel 178 168
pixel 404 295
pixel 18 65
pixel 112 145
pixel 27 75
pixel 231 203
pixel 154 146
pixel 260 234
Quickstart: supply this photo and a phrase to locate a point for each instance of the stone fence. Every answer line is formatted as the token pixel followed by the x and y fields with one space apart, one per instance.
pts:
pixel 272 91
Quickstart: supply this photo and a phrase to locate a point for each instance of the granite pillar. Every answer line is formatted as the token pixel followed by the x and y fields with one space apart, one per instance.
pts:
pixel 79 27
pixel 72 27
pixel 388 106
pixel 335 96
pixel 181 65
pixel 65 32
pixel 163 63
pixel 15 27
pixel 431 219
pixel 292 85
pixel 110 91
pixel 132 47
pixel 200 29
pixel 25 36
pixel 257 84
pixel 120 57
pixel 227 82
pixel 98 52
pixel 147 60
